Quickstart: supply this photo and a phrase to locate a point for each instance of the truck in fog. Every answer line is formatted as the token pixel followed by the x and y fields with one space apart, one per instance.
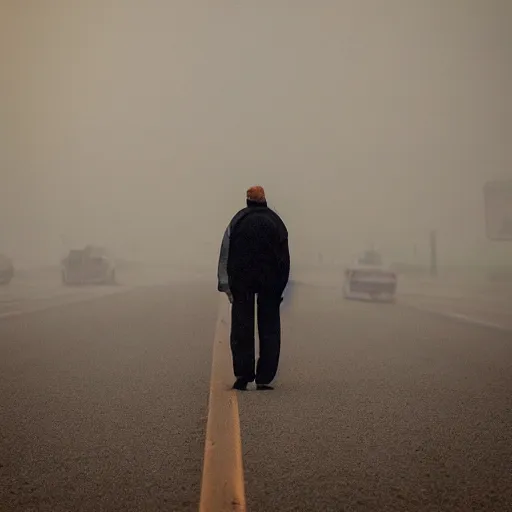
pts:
pixel 90 265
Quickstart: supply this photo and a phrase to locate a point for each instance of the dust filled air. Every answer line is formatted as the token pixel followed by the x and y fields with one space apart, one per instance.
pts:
pixel 337 172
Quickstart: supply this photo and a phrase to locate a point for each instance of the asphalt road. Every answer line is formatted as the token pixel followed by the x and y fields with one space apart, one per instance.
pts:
pixel 103 403
pixel 377 407
pixel 381 407
pixel 39 288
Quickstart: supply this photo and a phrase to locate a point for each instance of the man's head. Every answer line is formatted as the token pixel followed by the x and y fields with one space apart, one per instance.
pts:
pixel 256 195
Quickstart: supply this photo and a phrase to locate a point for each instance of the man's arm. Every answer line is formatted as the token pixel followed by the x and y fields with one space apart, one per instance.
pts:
pixel 222 270
pixel 285 263
pixel 283 252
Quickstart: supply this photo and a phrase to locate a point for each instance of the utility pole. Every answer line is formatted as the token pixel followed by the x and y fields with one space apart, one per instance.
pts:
pixel 433 253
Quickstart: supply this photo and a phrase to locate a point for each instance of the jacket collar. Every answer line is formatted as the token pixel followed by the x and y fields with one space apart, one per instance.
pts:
pixel 255 204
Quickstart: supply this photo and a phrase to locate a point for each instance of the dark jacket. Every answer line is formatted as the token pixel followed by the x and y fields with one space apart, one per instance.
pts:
pixel 254 255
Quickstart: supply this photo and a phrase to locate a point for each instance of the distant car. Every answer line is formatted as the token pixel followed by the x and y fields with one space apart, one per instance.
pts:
pixel 368 278
pixel 90 265
pixel 6 270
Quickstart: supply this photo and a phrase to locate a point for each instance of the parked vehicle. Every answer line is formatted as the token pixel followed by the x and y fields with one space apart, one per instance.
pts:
pixel 90 265
pixel 369 278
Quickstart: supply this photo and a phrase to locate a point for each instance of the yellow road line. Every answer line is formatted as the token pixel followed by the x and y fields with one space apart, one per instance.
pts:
pixel 222 486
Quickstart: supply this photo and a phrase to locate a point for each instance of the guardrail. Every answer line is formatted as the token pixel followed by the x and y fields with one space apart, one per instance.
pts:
pixel 488 280
pixel 475 273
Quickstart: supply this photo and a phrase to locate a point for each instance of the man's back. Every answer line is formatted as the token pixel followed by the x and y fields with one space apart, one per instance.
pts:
pixel 258 255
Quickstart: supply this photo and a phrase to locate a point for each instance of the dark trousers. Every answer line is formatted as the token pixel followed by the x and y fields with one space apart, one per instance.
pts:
pixel 242 335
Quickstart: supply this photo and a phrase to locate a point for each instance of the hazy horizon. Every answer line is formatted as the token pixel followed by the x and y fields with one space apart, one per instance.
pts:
pixel 139 125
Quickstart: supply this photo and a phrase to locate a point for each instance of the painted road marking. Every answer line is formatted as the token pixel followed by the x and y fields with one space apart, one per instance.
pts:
pixel 475 321
pixel 38 304
pixel 459 317
pixel 10 313
pixel 222 486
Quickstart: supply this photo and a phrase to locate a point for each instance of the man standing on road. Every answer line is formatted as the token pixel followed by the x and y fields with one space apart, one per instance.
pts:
pixel 255 261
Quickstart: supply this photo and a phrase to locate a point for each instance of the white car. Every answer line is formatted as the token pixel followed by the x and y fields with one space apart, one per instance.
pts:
pixel 368 278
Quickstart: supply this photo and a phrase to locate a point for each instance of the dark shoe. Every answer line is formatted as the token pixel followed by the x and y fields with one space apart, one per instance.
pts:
pixel 264 387
pixel 240 384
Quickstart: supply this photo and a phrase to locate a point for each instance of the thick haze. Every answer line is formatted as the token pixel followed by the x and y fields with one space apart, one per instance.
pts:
pixel 140 124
